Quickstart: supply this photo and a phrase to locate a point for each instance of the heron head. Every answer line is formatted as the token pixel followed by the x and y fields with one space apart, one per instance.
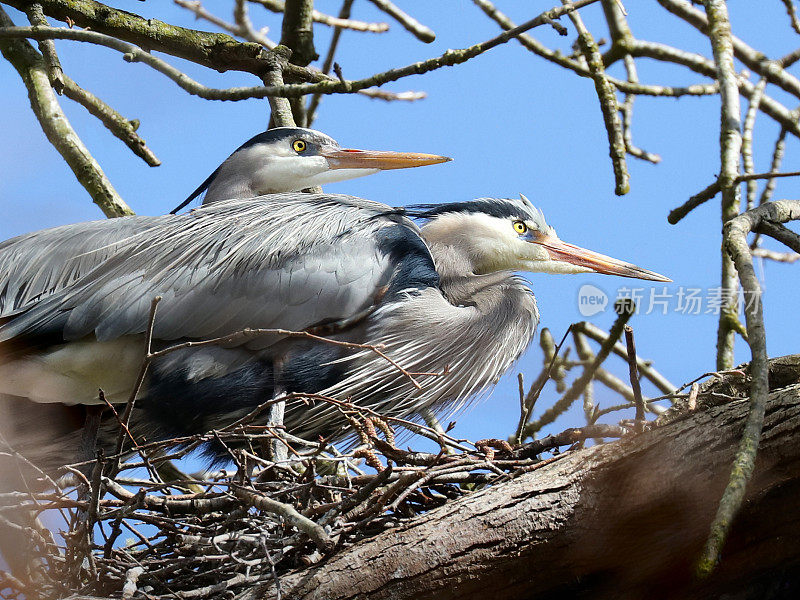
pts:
pixel 289 159
pixel 510 234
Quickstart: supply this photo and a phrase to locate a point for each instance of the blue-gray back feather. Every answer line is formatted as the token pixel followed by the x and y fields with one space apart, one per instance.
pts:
pixel 259 263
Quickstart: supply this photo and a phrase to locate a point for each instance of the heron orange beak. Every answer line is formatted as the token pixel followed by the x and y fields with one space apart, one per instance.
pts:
pixel 599 263
pixel 348 158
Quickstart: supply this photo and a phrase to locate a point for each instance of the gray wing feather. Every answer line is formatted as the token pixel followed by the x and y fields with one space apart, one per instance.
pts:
pixel 289 261
pixel 38 264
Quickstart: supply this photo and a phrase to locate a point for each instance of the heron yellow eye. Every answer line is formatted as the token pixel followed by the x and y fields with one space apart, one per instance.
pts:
pixel 520 227
pixel 298 145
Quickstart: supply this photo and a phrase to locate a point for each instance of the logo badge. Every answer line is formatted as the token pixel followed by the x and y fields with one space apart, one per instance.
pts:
pixel 591 300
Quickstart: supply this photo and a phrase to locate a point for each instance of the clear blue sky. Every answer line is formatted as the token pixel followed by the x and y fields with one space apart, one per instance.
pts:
pixel 512 122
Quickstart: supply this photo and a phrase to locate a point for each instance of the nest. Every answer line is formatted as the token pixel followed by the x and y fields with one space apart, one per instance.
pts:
pixel 132 525
pixel 168 535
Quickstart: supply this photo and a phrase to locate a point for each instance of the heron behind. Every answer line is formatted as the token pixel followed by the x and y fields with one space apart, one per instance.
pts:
pixel 440 299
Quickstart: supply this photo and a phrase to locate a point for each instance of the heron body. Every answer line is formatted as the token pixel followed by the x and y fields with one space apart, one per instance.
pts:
pixel 442 299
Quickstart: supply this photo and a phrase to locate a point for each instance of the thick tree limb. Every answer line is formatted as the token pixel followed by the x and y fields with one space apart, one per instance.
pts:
pixel 297 32
pixel 214 50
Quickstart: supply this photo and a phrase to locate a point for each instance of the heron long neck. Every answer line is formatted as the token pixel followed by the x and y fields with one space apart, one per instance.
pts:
pixel 468 331
pixel 499 296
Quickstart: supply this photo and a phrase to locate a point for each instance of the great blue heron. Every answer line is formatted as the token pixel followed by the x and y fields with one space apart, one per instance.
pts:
pixel 443 298
pixel 289 159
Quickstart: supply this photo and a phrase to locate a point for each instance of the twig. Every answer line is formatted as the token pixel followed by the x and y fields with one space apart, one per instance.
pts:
pixel 327 64
pixel 625 310
pixel 587 356
pixel 417 29
pixel 627 118
pixel 146 360
pixel 339 22
pixel 304 524
pixel 645 367
pixel 608 104
pixel 785 257
pixel 538 385
pixel 243 29
pixel 747 141
pixel 524 411
pixel 246 334
pixel 245 26
pixel 676 214
pixel 792 12
pixel 122 128
pixel 621 36
pixel 770 175
pixel 634 371
pixel 777 159
pixel 48 49
pixel 567 437
pixel 379 94
pixel 691 403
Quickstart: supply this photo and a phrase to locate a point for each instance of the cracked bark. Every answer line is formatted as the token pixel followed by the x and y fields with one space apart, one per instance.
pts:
pixel 624 520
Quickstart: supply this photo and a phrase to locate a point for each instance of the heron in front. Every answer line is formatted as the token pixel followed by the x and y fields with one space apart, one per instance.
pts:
pixel 443 297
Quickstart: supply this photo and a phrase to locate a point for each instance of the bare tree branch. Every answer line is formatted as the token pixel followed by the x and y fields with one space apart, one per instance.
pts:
pixel 32 69
pixel 730 148
pixel 327 86
pixel 422 33
pixel 240 29
pixel 608 104
pixel 735 244
pixel 792 12
pixel 339 22
pixel 625 311
pixel 122 128
pixel 48 49
pixel 752 58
